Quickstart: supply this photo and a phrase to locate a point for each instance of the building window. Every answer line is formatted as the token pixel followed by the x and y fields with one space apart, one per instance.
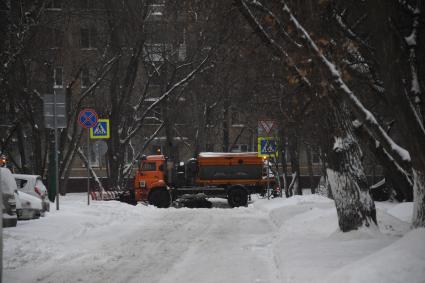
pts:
pixel 53 37
pixel 149 166
pixel 88 38
pixel 58 77
pixel 154 77
pixel 235 118
pixel 156 52
pixel 57 37
pixel 54 5
pixel 87 4
pixel 85 78
pixel 156 11
pixel 182 52
pixel 315 155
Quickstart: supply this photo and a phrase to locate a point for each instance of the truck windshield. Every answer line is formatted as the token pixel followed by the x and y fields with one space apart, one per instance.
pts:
pixel 148 166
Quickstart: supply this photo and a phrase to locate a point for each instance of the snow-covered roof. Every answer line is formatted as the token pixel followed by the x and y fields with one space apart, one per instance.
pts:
pixel 228 154
pixel 8 183
pixel 26 177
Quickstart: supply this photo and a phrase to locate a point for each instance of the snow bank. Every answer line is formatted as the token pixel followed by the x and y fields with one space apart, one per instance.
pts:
pixel 402 211
pixel 402 261
pixel 277 240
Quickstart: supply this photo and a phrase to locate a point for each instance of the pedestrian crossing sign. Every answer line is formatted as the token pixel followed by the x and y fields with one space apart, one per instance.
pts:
pixel 267 146
pixel 101 130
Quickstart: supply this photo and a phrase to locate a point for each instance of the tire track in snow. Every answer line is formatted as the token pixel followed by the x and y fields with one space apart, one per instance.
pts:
pixel 236 248
pixel 142 254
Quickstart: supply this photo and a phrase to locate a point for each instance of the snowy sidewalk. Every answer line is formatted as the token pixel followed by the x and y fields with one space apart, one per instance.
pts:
pixel 281 240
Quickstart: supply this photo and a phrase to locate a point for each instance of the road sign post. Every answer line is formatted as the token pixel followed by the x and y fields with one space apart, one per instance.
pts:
pixel 100 131
pixel 88 119
pixel 55 125
pixel 54 108
pixel 267 147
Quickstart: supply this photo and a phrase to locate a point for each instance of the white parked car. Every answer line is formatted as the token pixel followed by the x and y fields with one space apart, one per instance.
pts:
pixel 8 188
pixel 28 206
pixel 33 185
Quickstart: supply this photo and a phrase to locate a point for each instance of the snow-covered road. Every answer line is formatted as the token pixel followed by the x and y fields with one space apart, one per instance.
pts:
pixel 281 240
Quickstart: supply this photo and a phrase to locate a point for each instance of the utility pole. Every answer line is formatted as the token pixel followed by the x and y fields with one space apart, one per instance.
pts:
pixel 55 125
pixel 88 166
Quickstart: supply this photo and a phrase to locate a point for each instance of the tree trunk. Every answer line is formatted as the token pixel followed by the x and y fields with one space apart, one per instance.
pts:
pixel 395 176
pixel 348 182
pixel 225 124
pixel 115 118
pixel 21 147
pixel 310 169
pixel 171 149
pixel 295 165
pixel 419 196
pixel 395 70
pixel 283 149
pixel 37 152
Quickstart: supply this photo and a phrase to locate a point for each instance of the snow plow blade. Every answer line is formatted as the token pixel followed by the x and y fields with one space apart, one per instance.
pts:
pixel 122 196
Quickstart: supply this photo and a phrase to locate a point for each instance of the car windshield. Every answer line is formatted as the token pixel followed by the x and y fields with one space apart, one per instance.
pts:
pixel 148 166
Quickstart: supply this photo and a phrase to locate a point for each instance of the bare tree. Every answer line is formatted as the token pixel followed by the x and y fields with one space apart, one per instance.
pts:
pixel 338 81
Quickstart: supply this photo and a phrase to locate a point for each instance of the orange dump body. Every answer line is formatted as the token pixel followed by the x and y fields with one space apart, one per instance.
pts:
pixel 229 169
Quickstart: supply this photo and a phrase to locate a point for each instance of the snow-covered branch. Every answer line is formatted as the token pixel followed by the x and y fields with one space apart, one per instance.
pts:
pixel 164 96
pixel 143 96
pixel 92 172
pixel 364 115
pixel 106 68
pixel 349 32
pixel 253 21
pixel 276 20
pixel 137 156
pixel 72 147
pixel 412 43
pixel 32 18
pixel 404 4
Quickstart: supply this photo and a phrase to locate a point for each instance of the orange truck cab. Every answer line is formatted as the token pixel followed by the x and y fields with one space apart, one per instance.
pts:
pixel 149 181
pixel 228 175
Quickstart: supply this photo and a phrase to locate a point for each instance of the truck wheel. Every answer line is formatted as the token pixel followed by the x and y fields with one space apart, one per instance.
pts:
pixel 237 197
pixel 160 198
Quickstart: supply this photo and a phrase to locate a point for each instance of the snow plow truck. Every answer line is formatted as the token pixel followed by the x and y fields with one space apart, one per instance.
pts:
pixel 233 176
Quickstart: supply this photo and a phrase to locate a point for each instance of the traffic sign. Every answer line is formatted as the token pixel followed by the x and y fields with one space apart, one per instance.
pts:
pixel 101 130
pixel 267 127
pixel 267 146
pixel 101 147
pixel 49 102
pixel 87 118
